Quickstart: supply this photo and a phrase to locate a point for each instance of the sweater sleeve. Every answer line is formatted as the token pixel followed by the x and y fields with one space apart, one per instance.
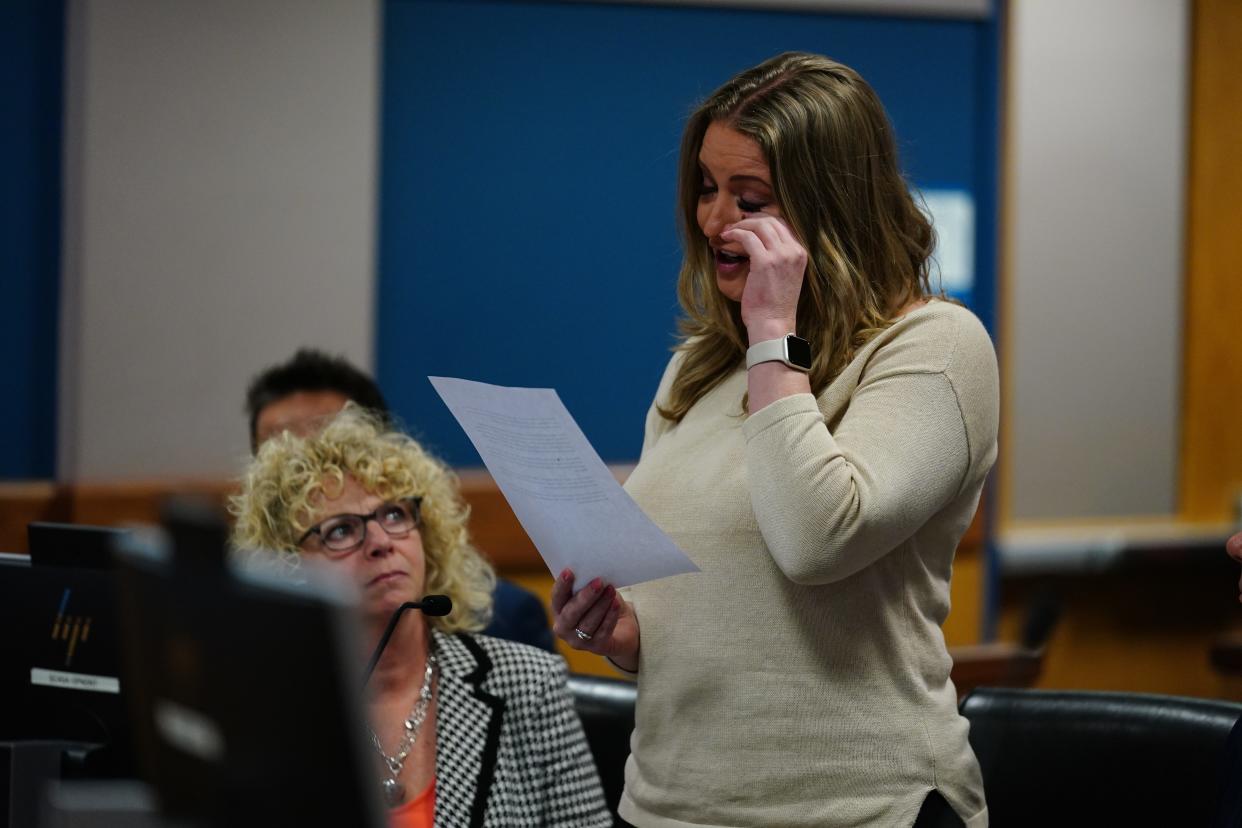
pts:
pixel 830 503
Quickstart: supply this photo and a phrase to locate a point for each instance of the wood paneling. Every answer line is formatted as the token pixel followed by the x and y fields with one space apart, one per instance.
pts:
pixel 495 529
pixel 1142 631
pixel 117 504
pixel 23 503
pixel 1211 472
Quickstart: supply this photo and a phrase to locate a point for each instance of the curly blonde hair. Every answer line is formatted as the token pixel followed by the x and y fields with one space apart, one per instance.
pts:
pixel 290 474
pixel 835 173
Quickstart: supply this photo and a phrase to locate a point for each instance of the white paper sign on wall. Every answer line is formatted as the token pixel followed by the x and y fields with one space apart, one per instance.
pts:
pixel 953 215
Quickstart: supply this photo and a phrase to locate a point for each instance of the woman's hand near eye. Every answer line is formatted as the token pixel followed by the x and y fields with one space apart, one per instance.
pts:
pixel 607 619
pixel 774 282
pixel 770 302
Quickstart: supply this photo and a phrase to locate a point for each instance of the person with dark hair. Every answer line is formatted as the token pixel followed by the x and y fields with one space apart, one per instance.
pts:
pixel 310 387
pixel 303 394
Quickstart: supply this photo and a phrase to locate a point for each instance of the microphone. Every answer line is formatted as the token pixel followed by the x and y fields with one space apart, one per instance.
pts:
pixel 430 605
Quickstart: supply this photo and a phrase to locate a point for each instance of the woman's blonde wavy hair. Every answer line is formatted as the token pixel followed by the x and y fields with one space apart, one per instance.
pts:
pixel 289 475
pixel 835 175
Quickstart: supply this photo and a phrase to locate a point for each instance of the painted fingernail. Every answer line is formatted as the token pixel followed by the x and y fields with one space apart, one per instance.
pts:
pixel 611 590
pixel 565 573
pixel 597 584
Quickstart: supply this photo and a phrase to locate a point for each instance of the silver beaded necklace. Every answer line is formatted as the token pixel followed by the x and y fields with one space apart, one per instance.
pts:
pixel 394 791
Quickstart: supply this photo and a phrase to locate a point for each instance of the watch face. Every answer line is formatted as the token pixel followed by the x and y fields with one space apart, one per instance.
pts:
pixel 799 351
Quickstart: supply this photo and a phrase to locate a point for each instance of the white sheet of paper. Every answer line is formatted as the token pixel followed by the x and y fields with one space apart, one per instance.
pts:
pixel 564 495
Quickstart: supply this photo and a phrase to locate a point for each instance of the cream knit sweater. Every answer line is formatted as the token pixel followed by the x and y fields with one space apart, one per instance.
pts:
pixel 801 678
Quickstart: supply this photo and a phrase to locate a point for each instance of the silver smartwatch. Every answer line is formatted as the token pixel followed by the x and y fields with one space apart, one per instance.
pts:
pixel 792 350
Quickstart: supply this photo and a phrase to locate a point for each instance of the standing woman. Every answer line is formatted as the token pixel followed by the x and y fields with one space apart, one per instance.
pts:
pixel 818 445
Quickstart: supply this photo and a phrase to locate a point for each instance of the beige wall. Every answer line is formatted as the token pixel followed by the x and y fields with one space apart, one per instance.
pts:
pixel 1091 327
pixel 220 210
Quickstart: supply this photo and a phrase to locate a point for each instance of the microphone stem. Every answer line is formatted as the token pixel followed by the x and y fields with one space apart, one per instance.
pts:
pixel 383 642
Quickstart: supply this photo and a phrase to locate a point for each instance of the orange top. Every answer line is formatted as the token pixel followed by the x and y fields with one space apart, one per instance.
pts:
pixel 419 812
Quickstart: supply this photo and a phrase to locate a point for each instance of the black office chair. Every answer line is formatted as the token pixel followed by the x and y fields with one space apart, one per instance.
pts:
pixel 1089 758
pixel 606 707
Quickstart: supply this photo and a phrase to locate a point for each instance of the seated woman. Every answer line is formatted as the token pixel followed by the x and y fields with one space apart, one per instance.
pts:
pixel 468 730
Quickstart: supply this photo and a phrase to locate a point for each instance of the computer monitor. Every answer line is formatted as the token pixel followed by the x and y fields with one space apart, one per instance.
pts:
pixel 246 690
pixel 72 544
pixel 60 664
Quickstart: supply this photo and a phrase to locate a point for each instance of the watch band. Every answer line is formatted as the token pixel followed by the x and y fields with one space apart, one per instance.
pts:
pixel 789 349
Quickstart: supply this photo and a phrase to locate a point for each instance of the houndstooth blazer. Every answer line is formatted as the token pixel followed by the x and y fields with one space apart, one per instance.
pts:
pixel 510 748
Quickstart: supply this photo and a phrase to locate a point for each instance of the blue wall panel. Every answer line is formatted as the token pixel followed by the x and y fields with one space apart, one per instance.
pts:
pixel 527 231
pixel 31 57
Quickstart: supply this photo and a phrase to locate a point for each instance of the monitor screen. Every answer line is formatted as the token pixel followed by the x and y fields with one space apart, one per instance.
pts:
pixel 71 544
pixel 60 664
pixel 246 692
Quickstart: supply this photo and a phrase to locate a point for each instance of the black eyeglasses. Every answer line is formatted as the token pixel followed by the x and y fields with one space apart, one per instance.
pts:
pixel 341 534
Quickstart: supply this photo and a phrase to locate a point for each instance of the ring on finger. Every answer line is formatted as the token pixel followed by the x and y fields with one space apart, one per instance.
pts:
pixel 584 636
